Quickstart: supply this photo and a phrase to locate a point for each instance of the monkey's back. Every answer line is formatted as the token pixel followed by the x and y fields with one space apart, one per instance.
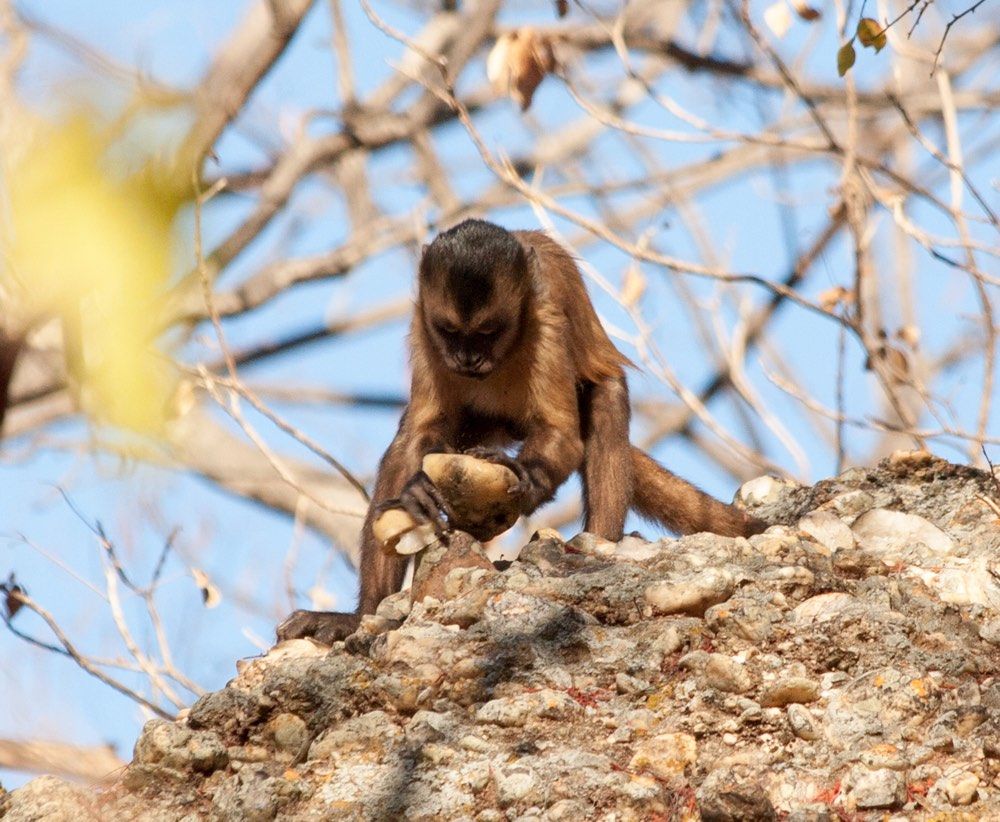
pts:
pixel 595 357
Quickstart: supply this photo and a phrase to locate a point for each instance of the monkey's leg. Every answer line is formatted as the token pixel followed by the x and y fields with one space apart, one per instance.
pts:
pixel 663 496
pixel 607 461
pixel 400 482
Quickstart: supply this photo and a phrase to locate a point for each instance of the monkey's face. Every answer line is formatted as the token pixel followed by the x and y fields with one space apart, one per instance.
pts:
pixel 474 285
pixel 474 346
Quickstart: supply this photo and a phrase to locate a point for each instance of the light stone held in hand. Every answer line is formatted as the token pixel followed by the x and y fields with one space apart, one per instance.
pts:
pixel 478 492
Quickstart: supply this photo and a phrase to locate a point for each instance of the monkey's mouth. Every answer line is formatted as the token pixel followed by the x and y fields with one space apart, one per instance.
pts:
pixel 475 372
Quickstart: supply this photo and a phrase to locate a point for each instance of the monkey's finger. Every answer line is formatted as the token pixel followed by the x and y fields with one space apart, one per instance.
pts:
pixel 500 457
pixel 489 453
pixel 411 504
pixel 520 489
pixel 422 500
pixel 442 505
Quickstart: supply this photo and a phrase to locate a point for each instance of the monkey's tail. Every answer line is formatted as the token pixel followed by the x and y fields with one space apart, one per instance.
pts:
pixel 664 497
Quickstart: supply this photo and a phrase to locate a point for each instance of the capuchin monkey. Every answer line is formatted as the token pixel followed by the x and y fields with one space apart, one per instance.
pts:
pixel 506 348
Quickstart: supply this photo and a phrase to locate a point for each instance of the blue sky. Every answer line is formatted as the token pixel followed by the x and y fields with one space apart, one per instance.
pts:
pixel 241 546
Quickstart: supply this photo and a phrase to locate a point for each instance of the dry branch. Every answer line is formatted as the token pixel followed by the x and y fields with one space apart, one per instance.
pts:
pixel 94 763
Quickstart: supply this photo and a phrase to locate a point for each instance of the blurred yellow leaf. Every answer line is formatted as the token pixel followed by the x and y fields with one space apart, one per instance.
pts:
pixel 95 251
pixel 845 58
pixel 871 34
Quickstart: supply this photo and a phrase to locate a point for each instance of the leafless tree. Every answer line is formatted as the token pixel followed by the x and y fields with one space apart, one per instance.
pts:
pixel 730 196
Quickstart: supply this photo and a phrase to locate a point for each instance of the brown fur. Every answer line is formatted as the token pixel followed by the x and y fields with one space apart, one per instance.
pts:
pixel 10 347
pixel 561 391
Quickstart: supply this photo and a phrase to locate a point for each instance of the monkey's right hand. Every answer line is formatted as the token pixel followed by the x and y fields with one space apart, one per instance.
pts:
pixel 422 500
pixel 524 485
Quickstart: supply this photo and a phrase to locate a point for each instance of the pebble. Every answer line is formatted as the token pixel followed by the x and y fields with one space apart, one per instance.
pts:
pixel 801 722
pixel 692 597
pixel 515 711
pixel 882 788
pixel 890 533
pixel 665 755
pixel 961 788
pixel 789 689
pixel 726 674
pixel 828 530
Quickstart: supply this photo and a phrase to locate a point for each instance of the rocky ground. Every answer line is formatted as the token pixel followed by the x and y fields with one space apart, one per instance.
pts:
pixel 844 665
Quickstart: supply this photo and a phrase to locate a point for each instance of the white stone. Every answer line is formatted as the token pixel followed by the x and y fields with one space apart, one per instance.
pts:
pixel 828 530
pixel 694 596
pixel 822 607
pixel 513 711
pixel 882 788
pixel 634 549
pixel 888 533
pixel 962 788
pixel 764 490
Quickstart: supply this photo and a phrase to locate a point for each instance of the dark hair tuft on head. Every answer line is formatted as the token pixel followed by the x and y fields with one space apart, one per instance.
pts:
pixel 471 257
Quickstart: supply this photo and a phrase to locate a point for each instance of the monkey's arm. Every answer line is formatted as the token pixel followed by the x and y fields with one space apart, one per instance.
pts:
pixel 607 466
pixel 550 453
pixel 399 482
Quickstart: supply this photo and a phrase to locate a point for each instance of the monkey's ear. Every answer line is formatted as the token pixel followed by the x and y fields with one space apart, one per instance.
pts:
pixel 531 264
pixel 423 263
pixel 533 267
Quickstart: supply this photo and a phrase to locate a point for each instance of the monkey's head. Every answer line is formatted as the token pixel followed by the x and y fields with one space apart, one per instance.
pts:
pixel 474 284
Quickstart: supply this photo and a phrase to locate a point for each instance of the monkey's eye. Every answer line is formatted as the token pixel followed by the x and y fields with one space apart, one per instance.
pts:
pixel 487 331
pixel 447 329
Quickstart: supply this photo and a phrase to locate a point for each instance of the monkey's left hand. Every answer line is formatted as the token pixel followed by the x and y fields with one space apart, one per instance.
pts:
pixel 500 457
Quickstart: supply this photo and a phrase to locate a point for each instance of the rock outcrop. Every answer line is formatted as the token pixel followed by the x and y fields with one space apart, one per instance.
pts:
pixel 844 664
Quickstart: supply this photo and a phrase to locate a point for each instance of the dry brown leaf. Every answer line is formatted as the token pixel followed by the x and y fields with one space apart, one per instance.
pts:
pixel 845 58
pixel 518 63
pixel 210 593
pixel 12 600
pixel 805 11
pixel 871 34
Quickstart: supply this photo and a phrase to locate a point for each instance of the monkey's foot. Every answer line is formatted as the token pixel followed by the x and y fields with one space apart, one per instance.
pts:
pixel 323 626
pixel 422 500
pixel 753 525
pixel 500 457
